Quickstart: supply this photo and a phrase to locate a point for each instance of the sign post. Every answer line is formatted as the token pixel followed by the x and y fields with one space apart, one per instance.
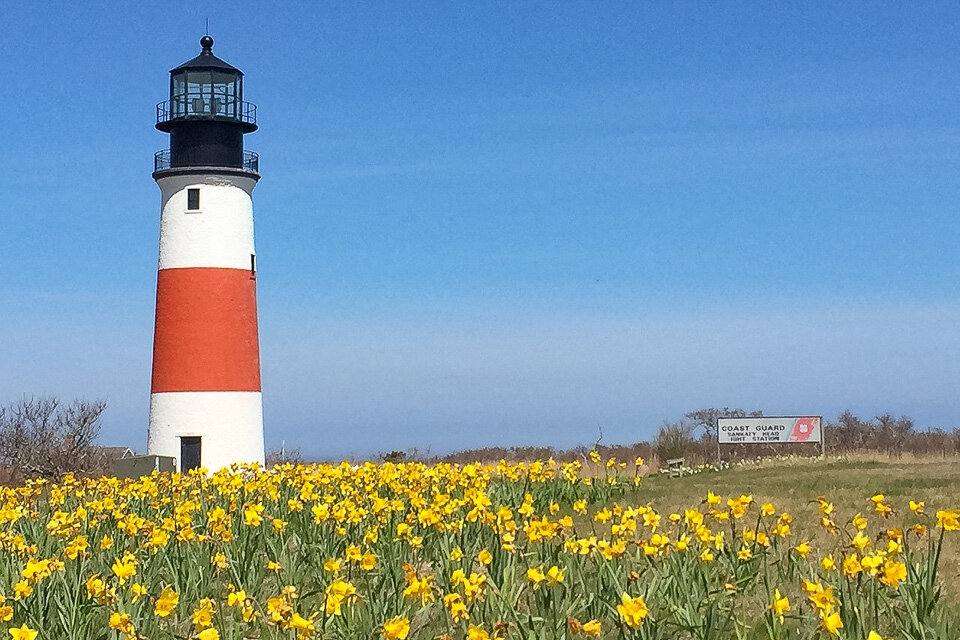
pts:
pixel 769 430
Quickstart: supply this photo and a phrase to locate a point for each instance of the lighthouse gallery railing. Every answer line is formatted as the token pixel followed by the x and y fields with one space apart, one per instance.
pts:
pixel 161 161
pixel 206 106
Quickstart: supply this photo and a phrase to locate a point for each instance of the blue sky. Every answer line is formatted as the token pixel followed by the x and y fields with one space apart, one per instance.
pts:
pixel 486 224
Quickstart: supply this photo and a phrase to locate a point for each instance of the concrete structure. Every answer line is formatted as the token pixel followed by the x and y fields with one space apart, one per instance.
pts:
pixel 139 466
pixel 205 404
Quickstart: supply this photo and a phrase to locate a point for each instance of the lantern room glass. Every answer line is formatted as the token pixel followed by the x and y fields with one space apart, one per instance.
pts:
pixel 206 93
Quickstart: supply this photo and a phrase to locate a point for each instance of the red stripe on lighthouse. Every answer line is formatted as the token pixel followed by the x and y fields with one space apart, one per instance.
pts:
pixel 206 331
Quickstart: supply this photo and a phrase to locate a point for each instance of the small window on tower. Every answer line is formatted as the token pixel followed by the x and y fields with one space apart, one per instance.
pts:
pixel 193 199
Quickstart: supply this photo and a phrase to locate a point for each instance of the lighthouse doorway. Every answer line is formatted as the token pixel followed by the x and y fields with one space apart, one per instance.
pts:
pixel 189 453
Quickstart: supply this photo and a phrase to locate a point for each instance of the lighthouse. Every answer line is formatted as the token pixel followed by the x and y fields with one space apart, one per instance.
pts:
pixel 205 401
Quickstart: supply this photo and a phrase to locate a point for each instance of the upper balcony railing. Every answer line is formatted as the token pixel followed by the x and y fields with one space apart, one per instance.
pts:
pixel 205 106
pixel 162 161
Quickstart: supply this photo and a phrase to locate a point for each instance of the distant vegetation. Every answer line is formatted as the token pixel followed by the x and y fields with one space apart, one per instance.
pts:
pixel 694 437
pixel 45 438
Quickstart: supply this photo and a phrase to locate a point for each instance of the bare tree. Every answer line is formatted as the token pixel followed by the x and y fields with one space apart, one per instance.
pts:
pixel 283 455
pixel 894 433
pixel 707 418
pixel 674 440
pixel 42 437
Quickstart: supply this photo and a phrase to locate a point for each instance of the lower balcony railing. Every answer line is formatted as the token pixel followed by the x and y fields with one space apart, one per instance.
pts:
pixel 162 161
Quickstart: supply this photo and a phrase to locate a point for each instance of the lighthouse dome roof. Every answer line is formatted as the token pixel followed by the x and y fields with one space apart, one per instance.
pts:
pixel 206 60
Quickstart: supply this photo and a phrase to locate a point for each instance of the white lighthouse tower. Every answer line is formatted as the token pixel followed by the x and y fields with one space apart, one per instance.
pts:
pixel 205 403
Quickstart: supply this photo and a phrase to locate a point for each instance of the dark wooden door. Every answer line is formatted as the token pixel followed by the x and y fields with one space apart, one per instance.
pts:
pixel 189 453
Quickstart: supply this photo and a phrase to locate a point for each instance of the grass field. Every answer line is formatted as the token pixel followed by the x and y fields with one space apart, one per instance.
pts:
pixel 848 481
pixel 793 484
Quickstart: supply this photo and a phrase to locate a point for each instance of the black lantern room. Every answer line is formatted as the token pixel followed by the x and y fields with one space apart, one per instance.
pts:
pixel 206 116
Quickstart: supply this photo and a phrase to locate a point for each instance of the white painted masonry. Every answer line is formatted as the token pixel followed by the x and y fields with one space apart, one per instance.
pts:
pixel 219 235
pixel 230 424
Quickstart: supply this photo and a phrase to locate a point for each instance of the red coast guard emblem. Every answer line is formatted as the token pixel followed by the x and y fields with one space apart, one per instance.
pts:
pixel 803 428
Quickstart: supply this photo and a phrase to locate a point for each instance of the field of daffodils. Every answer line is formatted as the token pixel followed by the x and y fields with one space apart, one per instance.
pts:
pixel 521 551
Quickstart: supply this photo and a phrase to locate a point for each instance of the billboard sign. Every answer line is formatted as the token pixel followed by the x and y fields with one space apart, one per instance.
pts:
pixel 770 429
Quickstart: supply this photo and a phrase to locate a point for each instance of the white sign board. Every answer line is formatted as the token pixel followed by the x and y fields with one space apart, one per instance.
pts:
pixel 770 429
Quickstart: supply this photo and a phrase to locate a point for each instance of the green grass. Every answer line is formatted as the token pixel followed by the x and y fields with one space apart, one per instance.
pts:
pixel 793 484
pixel 849 483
